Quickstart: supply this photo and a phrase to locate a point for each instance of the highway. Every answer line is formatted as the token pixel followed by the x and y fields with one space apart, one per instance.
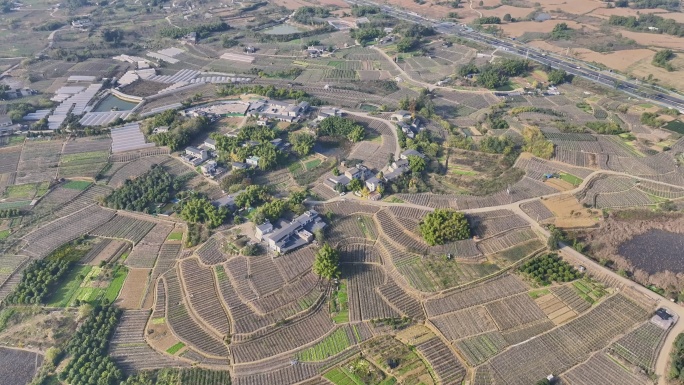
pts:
pixel 605 78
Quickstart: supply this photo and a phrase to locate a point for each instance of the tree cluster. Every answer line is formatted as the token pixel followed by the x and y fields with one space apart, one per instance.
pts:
pixel 666 26
pixel 672 5
pixel 308 15
pixel 677 360
pixel 549 268
pixel 557 76
pixel 561 31
pixel 650 119
pixel 422 105
pixel 202 30
pixel 605 128
pixel 339 126
pixel 327 262
pixel 366 34
pixel 197 233
pixel 364 10
pixel 154 186
pixel 90 363
pixel 38 281
pixel 180 132
pixel 198 209
pixel 9 213
pixel 662 59
pixel 302 143
pixel 497 75
pixel 536 143
pixel 254 195
pixel 444 225
pixel 488 20
pixel 237 180
pixel 497 145
pixel 267 91
pixel 408 44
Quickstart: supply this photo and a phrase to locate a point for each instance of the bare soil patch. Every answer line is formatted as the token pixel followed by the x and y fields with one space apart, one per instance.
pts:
pixel 18 366
pixel 516 12
pixel 517 29
pixel 576 7
pixel 619 60
pixel 143 88
pixel 644 243
pixel 159 336
pixel 608 12
pixel 569 212
pixel 133 289
pixel 654 39
pixel 559 184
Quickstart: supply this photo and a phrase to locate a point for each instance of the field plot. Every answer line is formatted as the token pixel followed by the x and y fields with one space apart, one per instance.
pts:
pixel 202 295
pixel 44 240
pixel 603 369
pixel 492 290
pixel 105 250
pixel 555 309
pixel 83 164
pixel 514 311
pixel 9 159
pixel 145 252
pixel 283 339
pixel 443 361
pixel 184 325
pixel 133 290
pixel 560 349
pixel 364 302
pixel 464 323
pixel 641 346
pixel 129 349
pixel 133 169
pixel 39 160
pixel 18 366
pixel 409 369
pixel 479 349
pixel 125 227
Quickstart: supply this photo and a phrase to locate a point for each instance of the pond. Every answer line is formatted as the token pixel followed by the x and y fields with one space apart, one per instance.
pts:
pixel 112 102
pixel 655 251
pixel 282 29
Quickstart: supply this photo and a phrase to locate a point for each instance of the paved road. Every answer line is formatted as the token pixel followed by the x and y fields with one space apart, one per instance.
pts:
pixel 658 96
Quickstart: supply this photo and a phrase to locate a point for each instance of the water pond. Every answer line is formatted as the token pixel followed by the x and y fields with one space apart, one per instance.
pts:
pixel 111 102
pixel 655 251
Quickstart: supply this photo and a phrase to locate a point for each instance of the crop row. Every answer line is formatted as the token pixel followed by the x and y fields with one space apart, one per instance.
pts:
pixel 124 227
pixel 47 238
pixel 601 369
pixel 560 349
pixel 489 291
pixel 504 241
pixel 480 348
pixel 464 323
pixel 537 211
pixel 359 253
pixel 485 228
pixel 400 299
pixel 446 366
pixel 283 339
pixel 183 325
pixel 514 311
pixel 346 208
pixel 202 295
pixel 364 301
pixel 264 275
pixel 640 347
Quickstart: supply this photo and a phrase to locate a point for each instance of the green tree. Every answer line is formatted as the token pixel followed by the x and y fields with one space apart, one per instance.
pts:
pixel 507 17
pixel 355 185
pixel 557 76
pixel 444 225
pixel 302 143
pixel 326 264
pixel 417 164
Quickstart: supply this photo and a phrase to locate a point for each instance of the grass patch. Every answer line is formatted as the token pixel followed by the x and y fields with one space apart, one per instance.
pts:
pixel 339 305
pixel 77 185
pixel 294 167
pixel 158 321
pixel 14 205
pixel 175 348
pixel 393 200
pixel 310 165
pixel 331 345
pixel 538 293
pixel 16 139
pixel 4 234
pixel 22 191
pixel 116 284
pixel 676 126
pixel 69 286
pixel 573 180
pixel 175 237
pixel 459 171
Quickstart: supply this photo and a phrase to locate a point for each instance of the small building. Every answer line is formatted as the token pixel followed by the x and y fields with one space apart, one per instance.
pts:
pixel 325 112
pixel 210 143
pixel 81 23
pixel 253 161
pixel 160 129
pixel 250 143
pixel 357 172
pixel 225 201
pixel 401 165
pixel 277 143
pixel 400 115
pixel 393 175
pixel 315 51
pixel 411 152
pixel 239 165
pixel 263 229
pixel 295 234
pixel 208 167
pixel 197 153
pixel 373 183
pixel 362 20
pixel 190 38
pixel 406 129
pixel 5 121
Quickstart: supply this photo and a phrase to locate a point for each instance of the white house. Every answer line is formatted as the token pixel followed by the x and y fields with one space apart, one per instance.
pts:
pixel 400 115
pixel 197 153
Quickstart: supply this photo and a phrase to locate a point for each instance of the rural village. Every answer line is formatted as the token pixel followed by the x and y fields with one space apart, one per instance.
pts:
pixel 342 192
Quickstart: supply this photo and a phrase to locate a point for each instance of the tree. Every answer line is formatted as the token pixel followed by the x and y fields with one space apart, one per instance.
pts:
pixel 536 143
pixel 302 143
pixel 355 185
pixel 507 17
pixel 417 164
pixel 543 382
pixel 326 264
pixel 444 225
pixel 557 76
